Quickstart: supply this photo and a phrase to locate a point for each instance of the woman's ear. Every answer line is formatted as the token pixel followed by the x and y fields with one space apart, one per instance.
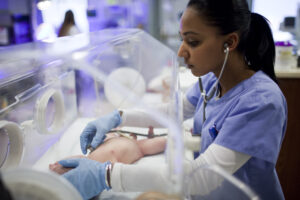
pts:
pixel 232 40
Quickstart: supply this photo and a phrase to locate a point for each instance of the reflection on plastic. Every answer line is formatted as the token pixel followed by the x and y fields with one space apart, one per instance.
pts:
pixel 14 149
pixel 4 146
pixel 127 77
pixel 28 184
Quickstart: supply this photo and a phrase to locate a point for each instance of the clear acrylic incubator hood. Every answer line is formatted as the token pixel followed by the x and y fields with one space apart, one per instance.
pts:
pixel 50 91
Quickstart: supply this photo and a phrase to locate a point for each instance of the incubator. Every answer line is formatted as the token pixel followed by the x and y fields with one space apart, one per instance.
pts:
pixel 50 91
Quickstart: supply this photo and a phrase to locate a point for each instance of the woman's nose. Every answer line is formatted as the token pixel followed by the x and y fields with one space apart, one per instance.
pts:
pixel 182 52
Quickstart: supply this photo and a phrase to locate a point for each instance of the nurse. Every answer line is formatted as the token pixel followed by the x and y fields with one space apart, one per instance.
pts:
pixel 244 122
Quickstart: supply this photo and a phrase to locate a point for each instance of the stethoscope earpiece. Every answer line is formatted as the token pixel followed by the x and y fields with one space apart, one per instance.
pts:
pixel 226 48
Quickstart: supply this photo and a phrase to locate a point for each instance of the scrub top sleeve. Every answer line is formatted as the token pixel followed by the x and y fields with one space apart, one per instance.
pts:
pixel 255 125
pixel 193 94
pixel 188 109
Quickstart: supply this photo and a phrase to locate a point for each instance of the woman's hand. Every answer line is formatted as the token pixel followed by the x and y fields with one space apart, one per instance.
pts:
pixel 88 176
pixel 95 132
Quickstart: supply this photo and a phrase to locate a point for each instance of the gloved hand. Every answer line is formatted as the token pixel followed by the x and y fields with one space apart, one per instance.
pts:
pixel 94 133
pixel 88 176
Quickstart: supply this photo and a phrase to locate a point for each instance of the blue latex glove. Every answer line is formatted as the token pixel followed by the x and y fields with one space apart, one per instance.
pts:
pixel 95 132
pixel 88 176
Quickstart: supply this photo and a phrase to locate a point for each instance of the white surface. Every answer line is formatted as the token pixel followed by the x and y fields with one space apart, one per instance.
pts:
pixel 68 145
pixel 288 73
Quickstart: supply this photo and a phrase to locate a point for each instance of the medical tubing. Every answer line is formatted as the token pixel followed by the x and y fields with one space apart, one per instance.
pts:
pixel 138 134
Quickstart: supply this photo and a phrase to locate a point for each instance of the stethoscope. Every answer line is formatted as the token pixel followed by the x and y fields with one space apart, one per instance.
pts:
pixel 208 96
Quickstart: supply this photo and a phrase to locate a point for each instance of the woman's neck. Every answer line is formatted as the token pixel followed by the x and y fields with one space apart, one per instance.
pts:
pixel 236 70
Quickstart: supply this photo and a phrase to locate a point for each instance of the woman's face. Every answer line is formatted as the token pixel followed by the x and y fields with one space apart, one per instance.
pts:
pixel 202 47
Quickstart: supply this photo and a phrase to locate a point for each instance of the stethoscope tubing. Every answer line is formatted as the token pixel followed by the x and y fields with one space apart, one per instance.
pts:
pixel 208 97
pixel 137 134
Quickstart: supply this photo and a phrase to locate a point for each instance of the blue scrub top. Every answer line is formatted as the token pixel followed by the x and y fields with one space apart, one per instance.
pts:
pixel 250 118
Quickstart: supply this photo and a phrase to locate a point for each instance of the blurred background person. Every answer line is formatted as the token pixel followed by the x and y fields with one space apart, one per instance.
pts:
pixel 69 26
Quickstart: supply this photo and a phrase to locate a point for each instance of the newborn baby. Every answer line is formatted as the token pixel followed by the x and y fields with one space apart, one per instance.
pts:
pixel 118 148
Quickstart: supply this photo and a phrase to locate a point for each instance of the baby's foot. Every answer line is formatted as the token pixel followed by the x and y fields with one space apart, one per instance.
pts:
pixel 59 169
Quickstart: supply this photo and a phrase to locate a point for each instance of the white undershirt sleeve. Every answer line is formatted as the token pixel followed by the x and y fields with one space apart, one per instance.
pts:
pixel 155 177
pixel 140 118
pixel 226 158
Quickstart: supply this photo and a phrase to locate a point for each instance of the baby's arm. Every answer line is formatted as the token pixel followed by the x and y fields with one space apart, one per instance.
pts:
pixel 152 146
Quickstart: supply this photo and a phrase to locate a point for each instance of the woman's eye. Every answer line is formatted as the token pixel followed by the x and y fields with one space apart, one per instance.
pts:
pixel 180 38
pixel 193 43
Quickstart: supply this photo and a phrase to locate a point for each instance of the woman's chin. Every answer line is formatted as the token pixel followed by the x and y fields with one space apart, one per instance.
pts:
pixel 196 73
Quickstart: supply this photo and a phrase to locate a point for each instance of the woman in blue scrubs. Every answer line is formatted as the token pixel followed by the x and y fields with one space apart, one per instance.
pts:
pixel 248 112
pixel 237 105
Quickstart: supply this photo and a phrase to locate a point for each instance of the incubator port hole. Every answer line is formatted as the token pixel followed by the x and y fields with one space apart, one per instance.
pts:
pixel 50 113
pixel 4 146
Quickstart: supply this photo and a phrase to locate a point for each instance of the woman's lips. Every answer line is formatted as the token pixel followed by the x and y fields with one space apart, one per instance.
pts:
pixel 190 66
